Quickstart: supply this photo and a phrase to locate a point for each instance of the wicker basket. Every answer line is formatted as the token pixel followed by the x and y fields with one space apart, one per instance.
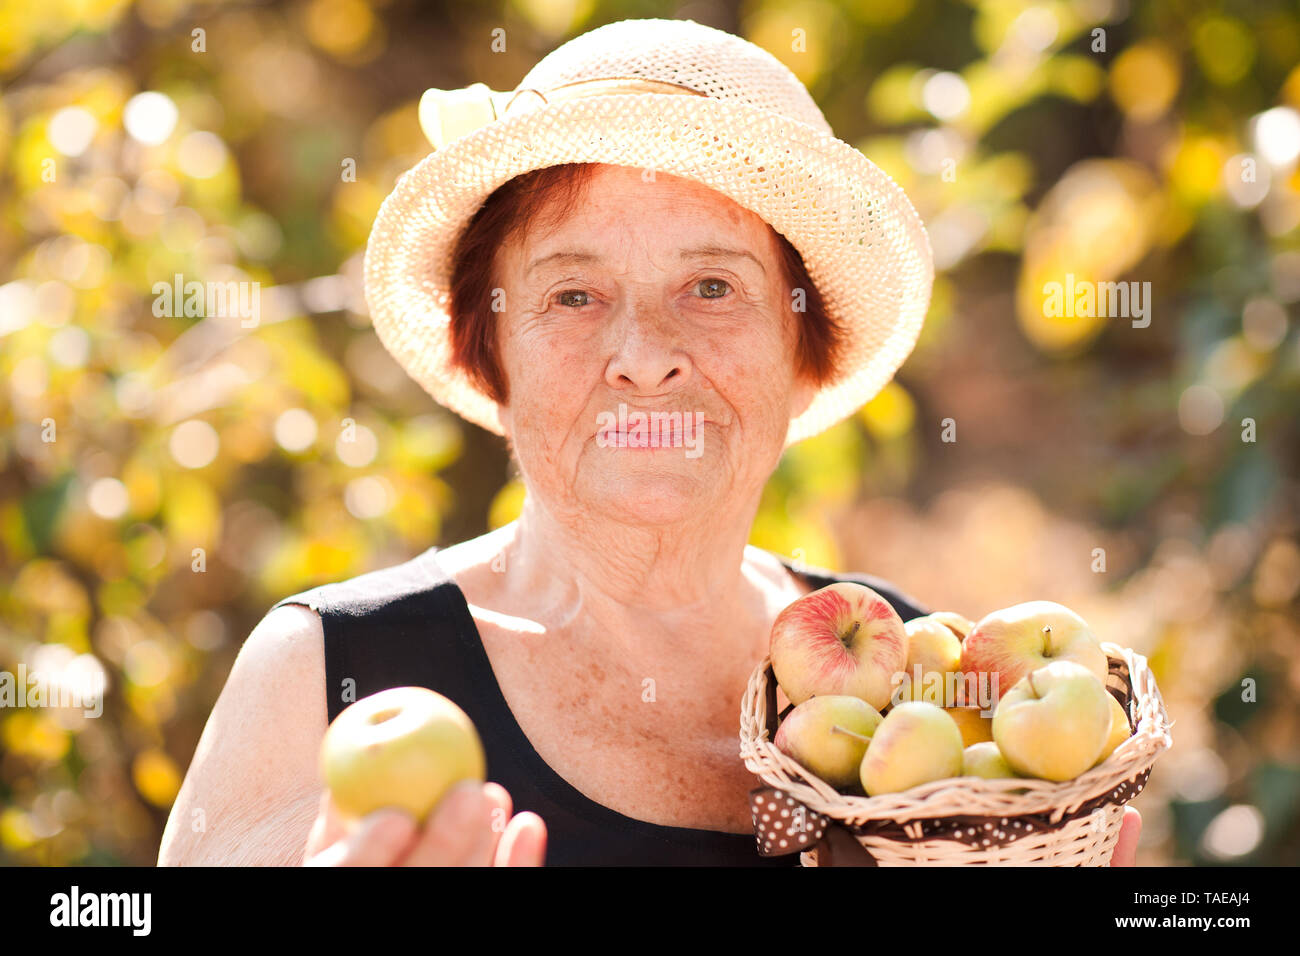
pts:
pixel 967 820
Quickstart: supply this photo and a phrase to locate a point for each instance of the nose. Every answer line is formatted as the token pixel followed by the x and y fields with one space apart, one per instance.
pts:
pixel 648 358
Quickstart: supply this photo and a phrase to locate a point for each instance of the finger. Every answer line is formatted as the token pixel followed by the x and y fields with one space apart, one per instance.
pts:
pixel 1126 846
pixel 453 828
pixel 524 842
pixel 484 846
pixel 502 807
pixel 379 839
pixel 326 829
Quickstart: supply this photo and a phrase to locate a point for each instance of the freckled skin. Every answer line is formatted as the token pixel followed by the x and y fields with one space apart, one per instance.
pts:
pixel 637 327
pixel 637 558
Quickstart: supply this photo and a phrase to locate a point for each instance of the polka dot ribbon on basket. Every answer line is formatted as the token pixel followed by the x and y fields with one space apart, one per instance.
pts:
pixel 784 825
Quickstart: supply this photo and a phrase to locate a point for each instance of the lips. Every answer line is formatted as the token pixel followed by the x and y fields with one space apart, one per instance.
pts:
pixel 644 437
pixel 641 429
pixel 661 435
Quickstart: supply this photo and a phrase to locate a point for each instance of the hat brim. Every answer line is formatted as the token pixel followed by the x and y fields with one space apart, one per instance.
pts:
pixel 862 242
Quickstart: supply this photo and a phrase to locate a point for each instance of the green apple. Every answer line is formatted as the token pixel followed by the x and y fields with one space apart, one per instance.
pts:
pixel 1054 722
pixel 916 742
pixel 985 760
pixel 828 735
pixel 404 747
pixel 1119 728
pixel 1015 640
pixel 933 656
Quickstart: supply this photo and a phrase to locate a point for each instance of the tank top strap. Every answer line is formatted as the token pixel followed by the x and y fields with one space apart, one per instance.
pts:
pixel 399 626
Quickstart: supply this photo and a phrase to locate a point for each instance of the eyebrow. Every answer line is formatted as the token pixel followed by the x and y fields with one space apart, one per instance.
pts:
pixel 700 252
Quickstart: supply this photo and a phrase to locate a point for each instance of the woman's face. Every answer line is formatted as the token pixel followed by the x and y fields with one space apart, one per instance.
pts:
pixel 655 313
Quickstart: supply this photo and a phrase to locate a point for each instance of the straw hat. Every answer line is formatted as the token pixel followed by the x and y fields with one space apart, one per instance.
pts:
pixel 679 98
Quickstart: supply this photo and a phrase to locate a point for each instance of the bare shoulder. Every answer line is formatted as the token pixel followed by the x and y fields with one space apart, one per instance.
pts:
pixel 477 564
pixel 767 570
pixel 252 788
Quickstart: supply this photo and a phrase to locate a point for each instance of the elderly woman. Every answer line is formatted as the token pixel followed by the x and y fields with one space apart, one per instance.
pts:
pixel 651 268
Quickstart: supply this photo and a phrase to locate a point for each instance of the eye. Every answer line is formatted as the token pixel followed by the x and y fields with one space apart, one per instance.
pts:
pixel 573 298
pixel 713 288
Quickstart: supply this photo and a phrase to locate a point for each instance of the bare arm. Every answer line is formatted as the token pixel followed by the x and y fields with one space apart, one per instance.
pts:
pixel 253 788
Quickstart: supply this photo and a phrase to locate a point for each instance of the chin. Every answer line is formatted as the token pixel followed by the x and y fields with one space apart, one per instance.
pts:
pixel 644 495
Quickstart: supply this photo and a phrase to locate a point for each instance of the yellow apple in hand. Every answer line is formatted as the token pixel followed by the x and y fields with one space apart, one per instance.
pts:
pixel 828 735
pixel 404 747
pixel 1054 722
pixel 915 743
pixel 1119 728
pixel 933 655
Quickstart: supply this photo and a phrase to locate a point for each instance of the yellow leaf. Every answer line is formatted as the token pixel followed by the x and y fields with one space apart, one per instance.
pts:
pixel 891 413
pixel 507 505
pixel 156 777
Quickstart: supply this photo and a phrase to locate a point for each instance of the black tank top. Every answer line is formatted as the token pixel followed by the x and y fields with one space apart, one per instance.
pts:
pixel 410 625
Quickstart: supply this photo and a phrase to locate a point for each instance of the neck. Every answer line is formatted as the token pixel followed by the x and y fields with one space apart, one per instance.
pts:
pixel 643 589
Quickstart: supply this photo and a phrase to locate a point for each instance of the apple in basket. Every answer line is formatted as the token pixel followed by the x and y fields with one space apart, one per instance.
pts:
pixel 828 736
pixel 959 625
pixel 1015 640
pixel 1120 730
pixel 916 743
pixel 404 747
pixel 985 760
pixel 974 726
pixel 842 639
pixel 933 655
pixel 1054 722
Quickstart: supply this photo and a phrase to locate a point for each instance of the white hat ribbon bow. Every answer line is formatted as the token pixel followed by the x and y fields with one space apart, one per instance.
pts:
pixel 447 115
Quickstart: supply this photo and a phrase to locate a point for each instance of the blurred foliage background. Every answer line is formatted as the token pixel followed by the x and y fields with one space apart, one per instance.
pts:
pixel 1147 477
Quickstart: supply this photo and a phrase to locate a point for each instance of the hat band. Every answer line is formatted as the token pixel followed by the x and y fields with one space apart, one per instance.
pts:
pixel 447 115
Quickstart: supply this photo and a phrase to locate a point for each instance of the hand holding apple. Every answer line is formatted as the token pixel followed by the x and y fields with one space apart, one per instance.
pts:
pixel 404 770
pixel 390 837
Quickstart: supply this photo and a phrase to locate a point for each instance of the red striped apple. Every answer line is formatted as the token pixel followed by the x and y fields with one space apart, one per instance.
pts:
pixel 1054 722
pixel 828 735
pixel 842 639
pixel 915 743
pixel 1016 640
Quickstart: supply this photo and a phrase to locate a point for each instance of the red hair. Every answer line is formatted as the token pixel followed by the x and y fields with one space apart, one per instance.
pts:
pixel 515 206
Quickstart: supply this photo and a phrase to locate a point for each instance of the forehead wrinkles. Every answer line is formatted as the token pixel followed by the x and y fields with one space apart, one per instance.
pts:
pixel 640 240
pixel 617 195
